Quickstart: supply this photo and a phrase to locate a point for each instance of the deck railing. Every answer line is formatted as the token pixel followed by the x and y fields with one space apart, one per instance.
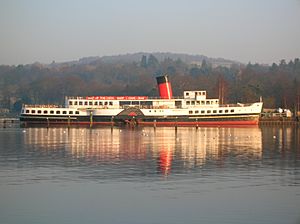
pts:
pixel 42 105
pixel 236 105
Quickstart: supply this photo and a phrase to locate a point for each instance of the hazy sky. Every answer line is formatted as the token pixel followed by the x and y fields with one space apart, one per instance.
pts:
pixel 262 31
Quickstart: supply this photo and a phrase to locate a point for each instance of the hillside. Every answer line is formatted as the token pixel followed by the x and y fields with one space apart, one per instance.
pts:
pixel 161 56
pixel 186 58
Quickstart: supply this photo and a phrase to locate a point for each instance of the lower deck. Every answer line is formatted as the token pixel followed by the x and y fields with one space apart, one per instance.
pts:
pixel 28 120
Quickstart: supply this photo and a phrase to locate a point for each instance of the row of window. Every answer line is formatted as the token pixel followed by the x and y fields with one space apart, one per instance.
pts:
pixel 51 112
pixel 90 103
pixel 211 111
pixel 106 103
pixel 156 111
pixel 203 111
pixel 202 102
pixel 201 93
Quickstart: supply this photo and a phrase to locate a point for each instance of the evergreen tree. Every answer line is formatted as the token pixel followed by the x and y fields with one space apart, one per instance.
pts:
pixel 144 61
pixel 152 61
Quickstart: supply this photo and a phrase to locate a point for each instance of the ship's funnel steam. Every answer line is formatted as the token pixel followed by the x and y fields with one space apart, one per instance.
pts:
pixel 164 87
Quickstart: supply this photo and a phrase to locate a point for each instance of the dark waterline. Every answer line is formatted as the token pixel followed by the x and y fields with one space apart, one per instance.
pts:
pixel 146 175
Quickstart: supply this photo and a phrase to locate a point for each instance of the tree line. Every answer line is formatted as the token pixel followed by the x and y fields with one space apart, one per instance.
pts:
pixel 278 84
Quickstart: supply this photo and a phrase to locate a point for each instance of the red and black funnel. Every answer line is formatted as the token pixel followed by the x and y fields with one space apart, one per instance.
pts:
pixel 164 87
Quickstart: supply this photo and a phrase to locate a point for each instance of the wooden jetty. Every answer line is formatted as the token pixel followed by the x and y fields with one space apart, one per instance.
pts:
pixel 8 121
pixel 282 121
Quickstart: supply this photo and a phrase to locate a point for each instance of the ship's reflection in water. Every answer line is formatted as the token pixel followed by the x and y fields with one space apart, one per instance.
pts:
pixel 146 175
pixel 148 151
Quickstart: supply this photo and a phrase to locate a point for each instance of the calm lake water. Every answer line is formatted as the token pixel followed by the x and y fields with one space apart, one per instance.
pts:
pixel 120 176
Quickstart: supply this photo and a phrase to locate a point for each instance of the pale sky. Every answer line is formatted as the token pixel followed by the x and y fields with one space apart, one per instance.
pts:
pixel 262 31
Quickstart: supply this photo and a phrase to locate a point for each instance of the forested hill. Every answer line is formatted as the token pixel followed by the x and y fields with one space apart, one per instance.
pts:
pixel 279 84
pixel 160 56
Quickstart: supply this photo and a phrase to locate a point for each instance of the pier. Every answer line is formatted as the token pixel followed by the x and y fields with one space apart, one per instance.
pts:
pixel 8 122
pixel 282 121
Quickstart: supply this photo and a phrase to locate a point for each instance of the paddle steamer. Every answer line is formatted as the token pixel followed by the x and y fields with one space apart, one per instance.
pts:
pixel 193 109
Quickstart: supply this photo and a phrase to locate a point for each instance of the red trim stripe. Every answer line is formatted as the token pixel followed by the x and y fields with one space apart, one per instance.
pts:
pixel 151 123
pixel 203 123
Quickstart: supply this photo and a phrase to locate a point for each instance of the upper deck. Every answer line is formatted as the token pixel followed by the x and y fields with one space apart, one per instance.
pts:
pixel 191 99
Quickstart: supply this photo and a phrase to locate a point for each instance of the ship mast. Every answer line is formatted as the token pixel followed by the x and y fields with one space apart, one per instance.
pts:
pixel 221 89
